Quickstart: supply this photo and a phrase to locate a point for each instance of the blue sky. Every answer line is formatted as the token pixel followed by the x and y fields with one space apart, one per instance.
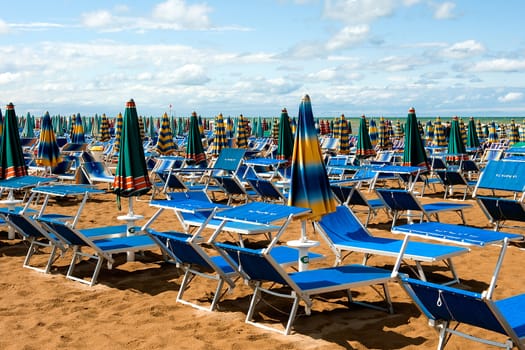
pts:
pixel 373 57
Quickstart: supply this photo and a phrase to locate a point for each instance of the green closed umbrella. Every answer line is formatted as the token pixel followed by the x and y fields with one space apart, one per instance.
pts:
pixel 285 139
pixel 472 134
pixel 414 152
pixel 456 148
pixel 131 176
pixel 194 148
pixel 364 145
pixel 28 131
pixel 12 162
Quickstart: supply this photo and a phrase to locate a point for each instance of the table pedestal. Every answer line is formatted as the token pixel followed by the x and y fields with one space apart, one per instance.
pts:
pixel 11 205
pixel 130 224
pixel 303 246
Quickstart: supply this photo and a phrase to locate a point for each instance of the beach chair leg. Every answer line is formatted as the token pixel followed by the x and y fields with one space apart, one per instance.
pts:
pixel 293 314
pixel 420 272
pixel 368 217
pixel 255 299
pixel 217 295
pixel 51 258
pixel 442 335
pixel 97 270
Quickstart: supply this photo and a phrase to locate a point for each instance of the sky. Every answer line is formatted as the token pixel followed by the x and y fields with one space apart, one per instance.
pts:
pixel 352 57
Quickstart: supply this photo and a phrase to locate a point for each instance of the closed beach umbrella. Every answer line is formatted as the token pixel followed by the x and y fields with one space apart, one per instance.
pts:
pixel 364 146
pixel 384 141
pixel 513 133
pixel 165 143
pixel 1 126
pixel 28 130
pixel 141 129
pixel 414 152
pixel 456 148
pixel 48 151
pixel 131 176
pixel 398 130
pixel 194 148
pixel 463 131
pixel 12 162
pixel 309 187
pixel 118 132
pixel 373 132
pixel 429 132
pixel 344 135
pixel 472 135
pixel 275 130
pixel 104 135
pixel 492 135
pixel 479 130
pixel 78 131
pixel 152 134
pixel 219 136
pixel 440 139
pixel 285 139
pixel 242 132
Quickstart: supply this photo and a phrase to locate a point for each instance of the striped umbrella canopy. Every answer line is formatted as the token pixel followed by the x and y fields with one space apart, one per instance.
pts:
pixel 513 133
pixel 275 129
pixel 344 135
pixel 118 132
pixel 1 126
pixel 440 139
pixel 194 148
pixel 485 132
pixel 479 130
pixel 429 132
pixel 141 129
pixel 131 175
pixel 165 144
pixel 28 130
pixel 336 131
pixel 384 141
pixel 456 148
pixel 493 134
pixel 373 132
pixel 398 130
pixel 12 162
pixel 48 151
pixel 463 131
pixel 364 146
pixel 309 186
pixel 229 127
pixel 285 141
pixel 293 125
pixel 219 136
pixel 104 135
pixel 78 131
pixel 472 135
pixel 521 131
pixel 414 152
pixel 242 132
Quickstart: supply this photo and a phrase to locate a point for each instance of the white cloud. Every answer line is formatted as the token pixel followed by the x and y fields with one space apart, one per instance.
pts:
pixel 511 97
pixel 4 27
pixel 347 37
pixel 498 65
pixel 177 11
pixel 189 74
pixel 445 10
pixel 97 19
pixel 8 77
pixel 358 11
pixel 464 49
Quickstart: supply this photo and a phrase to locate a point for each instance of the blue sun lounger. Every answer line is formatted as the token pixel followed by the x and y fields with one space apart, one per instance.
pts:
pixel 263 272
pixel 403 202
pixel 344 232
pixel 103 248
pixel 446 307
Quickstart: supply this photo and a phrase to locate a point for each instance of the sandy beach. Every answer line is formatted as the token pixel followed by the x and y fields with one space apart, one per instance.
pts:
pixel 133 305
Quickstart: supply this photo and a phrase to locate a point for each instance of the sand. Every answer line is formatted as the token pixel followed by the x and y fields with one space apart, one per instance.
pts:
pixel 133 305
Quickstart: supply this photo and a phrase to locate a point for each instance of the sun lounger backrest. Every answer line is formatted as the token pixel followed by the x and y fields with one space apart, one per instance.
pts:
pixel 23 225
pixel 229 159
pixel 179 244
pixel 443 303
pixel 398 199
pixel 252 263
pixel 503 175
pixel 342 226
pixel 64 231
pixel 500 209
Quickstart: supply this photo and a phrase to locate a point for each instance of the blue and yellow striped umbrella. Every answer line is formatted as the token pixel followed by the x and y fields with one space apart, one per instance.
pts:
pixel 104 135
pixel 373 132
pixel 242 132
pixel 364 146
pixel 284 138
pixel 141 129
pixel 513 133
pixel 493 134
pixel 398 130
pixel 78 131
pixel 165 143
pixel 463 131
pixel 219 136
pixel 131 175
pixel 472 134
pixel 12 162
pixel 479 130
pixel 521 131
pixel 48 151
pixel 385 142
pixel 118 132
pixel 429 132
pixel 309 186
pixel 440 139
pixel 414 151
pixel 194 148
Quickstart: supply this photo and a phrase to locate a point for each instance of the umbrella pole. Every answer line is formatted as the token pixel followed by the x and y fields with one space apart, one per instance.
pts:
pixel 130 219
pixel 11 203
